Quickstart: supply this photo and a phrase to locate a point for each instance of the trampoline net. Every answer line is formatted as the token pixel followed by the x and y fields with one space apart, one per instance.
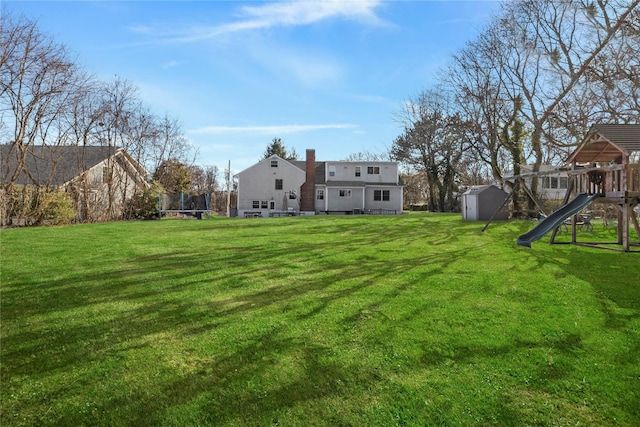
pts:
pixel 184 202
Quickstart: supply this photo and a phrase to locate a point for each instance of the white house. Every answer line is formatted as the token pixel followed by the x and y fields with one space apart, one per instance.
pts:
pixel 271 185
pixel 553 181
pixel 275 186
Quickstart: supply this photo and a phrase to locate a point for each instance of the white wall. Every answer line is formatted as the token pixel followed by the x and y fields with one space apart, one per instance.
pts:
pixel 345 171
pixel 258 182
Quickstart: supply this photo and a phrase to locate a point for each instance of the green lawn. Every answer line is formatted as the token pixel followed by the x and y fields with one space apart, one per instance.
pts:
pixel 417 320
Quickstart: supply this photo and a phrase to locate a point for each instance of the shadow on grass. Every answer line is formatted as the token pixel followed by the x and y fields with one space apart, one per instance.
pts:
pixel 247 301
pixel 191 292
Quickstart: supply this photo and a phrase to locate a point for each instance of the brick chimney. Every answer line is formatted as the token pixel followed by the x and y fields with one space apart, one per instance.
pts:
pixel 308 189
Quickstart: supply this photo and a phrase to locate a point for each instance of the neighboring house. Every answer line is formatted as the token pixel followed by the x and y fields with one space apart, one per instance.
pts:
pixel 99 179
pixel 552 184
pixel 553 181
pixel 275 186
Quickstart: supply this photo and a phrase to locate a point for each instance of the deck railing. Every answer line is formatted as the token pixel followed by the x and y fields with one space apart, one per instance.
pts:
pixel 608 179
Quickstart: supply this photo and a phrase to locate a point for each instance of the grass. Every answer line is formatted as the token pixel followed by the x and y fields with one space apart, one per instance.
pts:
pixel 414 320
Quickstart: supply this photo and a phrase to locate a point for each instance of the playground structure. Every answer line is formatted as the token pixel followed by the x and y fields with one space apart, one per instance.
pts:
pixel 184 204
pixel 601 172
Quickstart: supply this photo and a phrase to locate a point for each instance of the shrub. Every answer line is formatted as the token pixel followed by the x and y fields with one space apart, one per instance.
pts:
pixel 56 208
pixel 29 205
pixel 144 205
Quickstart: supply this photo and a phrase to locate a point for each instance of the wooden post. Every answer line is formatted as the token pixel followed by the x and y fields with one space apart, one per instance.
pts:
pixel 625 227
pixel 513 190
pixel 530 194
pixel 620 220
pixel 635 222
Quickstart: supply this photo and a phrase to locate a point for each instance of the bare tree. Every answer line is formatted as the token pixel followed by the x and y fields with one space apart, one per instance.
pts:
pixel 38 81
pixel 475 77
pixel 204 180
pixel 368 156
pixel 613 78
pixel 169 143
pixel 434 142
pixel 541 73
pixel 546 51
pixel 46 101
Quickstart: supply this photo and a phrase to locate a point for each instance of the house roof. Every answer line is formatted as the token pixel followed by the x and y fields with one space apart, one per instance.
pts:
pixel 51 165
pixel 606 142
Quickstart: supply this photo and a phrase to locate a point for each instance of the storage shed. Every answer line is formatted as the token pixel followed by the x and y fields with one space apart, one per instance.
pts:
pixel 479 203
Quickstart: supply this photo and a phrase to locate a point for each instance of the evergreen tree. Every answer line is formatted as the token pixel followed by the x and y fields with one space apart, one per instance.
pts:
pixel 277 147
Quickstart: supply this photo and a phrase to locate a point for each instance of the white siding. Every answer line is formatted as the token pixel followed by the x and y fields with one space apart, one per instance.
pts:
pixel 258 183
pixel 394 202
pixel 387 172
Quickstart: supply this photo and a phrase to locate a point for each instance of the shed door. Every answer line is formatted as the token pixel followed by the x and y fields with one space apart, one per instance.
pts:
pixel 472 207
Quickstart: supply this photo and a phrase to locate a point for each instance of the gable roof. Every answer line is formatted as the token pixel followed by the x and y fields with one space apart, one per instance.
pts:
pixel 271 157
pixel 52 165
pixel 606 142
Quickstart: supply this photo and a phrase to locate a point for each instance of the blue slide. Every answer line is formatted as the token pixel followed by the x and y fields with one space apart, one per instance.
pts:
pixel 556 219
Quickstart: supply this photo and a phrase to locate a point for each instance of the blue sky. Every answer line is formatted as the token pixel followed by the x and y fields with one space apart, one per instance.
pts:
pixel 328 75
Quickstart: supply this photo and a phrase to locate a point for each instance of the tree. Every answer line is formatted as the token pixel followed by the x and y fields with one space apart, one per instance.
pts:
pixel 434 143
pixel 173 176
pixel 541 73
pixel 38 81
pixel 475 78
pixel 368 156
pixel 546 50
pixel 169 143
pixel 45 99
pixel 204 180
pixel 277 147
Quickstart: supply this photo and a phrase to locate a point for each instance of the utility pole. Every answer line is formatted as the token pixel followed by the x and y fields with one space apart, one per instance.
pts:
pixel 229 189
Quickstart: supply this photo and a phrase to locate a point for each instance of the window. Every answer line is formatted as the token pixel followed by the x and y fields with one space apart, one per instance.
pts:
pixel 564 182
pixel 358 170
pixel 272 205
pixel 373 170
pixel 256 204
pixel 381 195
pixel 332 171
pixel 292 195
pixel 274 163
pixel 278 184
pixel 345 193
pixel 552 182
pixel 263 204
pixel 105 174
pixel 320 194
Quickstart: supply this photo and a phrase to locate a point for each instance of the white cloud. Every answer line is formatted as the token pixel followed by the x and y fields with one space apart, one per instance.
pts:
pixel 267 130
pixel 276 14
pixel 170 64
pixel 307 12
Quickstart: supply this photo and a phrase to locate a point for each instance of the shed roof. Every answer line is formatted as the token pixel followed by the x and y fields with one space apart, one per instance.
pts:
pixel 477 189
pixel 606 142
